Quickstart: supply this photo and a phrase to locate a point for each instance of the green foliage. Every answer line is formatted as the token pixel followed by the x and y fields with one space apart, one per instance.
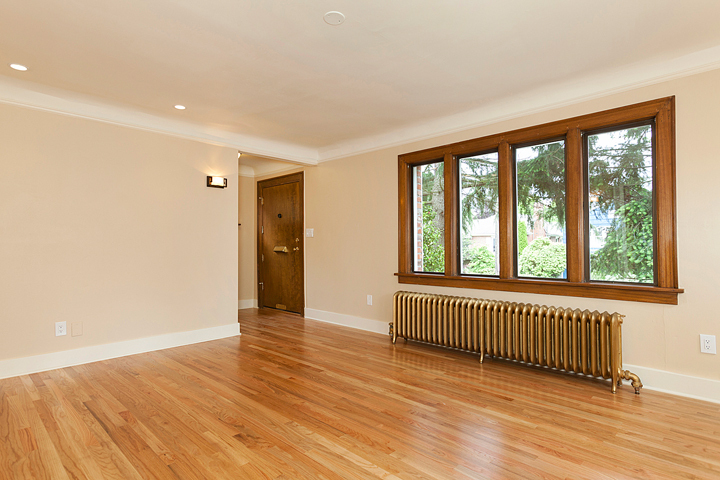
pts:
pixel 628 251
pixel 479 189
pixel 541 183
pixel 619 186
pixel 543 259
pixel 618 173
pixel 522 236
pixel 433 246
pixel 619 181
pixel 433 188
pixel 477 260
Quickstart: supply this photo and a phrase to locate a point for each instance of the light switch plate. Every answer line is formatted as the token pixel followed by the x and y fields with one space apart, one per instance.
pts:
pixel 310 232
pixel 76 329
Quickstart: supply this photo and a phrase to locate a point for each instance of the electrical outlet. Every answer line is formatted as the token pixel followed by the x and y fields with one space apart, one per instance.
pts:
pixel 369 299
pixel 76 329
pixel 60 329
pixel 707 344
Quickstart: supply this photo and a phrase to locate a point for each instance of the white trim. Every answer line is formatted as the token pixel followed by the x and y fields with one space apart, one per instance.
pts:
pixel 659 380
pixel 572 91
pixel 250 172
pixel 347 321
pixel 246 171
pixel 249 303
pixel 50 361
pixel 63 102
pixel 264 174
pixel 684 385
pixel 555 95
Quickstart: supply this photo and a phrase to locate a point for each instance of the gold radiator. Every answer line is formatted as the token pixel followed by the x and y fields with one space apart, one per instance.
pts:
pixel 579 341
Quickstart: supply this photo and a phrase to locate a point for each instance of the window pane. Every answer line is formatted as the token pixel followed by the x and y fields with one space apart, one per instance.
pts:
pixel 479 209
pixel 541 210
pixel 429 218
pixel 620 205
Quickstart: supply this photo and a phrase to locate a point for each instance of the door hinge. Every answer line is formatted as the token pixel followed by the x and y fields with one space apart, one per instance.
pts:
pixel 262 200
pixel 262 229
pixel 263 257
pixel 262 286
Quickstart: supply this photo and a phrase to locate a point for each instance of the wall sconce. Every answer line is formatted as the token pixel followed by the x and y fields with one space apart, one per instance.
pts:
pixel 216 182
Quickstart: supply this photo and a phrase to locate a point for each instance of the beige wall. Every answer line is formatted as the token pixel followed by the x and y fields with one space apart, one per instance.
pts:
pixel 113 227
pixel 352 205
pixel 247 238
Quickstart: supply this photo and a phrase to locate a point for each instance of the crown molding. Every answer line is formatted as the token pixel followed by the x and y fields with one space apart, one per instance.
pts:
pixel 49 99
pixel 535 101
pixel 250 172
pixel 41 97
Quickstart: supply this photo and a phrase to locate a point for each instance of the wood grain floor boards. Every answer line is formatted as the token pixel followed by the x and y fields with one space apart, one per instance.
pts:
pixel 299 399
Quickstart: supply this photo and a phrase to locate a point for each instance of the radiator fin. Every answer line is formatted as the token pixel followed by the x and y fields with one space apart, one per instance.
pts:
pixel 578 341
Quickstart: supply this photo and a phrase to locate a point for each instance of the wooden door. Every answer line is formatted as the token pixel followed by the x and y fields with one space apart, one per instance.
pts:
pixel 281 243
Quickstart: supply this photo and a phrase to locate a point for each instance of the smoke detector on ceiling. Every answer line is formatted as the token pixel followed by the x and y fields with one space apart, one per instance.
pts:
pixel 334 18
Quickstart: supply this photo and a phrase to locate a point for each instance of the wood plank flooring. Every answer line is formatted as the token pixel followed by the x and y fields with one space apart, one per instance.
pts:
pixel 299 399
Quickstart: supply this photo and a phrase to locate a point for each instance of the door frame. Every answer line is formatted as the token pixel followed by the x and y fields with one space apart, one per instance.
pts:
pixel 274 182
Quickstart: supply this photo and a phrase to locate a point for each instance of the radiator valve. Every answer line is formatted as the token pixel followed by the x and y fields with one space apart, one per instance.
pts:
pixel 391 329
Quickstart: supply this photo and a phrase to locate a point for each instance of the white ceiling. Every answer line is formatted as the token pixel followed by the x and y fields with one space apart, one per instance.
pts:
pixel 271 78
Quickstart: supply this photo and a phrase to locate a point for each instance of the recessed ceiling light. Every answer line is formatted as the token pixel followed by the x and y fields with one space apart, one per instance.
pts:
pixel 17 66
pixel 180 107
pixel 334 18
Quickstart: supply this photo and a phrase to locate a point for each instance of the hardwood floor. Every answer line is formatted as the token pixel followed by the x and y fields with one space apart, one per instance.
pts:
pixel 294 399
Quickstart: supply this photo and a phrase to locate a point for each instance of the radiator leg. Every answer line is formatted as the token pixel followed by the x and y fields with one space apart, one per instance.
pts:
pixel 636 383
pixel 482 357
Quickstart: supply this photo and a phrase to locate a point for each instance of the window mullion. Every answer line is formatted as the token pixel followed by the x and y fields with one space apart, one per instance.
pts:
pixel 506 209
pixel 575 208
pixel 452 214
pixel 405 214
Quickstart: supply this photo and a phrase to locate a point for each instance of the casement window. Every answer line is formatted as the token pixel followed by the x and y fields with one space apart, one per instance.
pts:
pixel 580 207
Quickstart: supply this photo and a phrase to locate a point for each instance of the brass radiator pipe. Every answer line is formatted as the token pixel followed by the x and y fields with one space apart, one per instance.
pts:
pixel 576 341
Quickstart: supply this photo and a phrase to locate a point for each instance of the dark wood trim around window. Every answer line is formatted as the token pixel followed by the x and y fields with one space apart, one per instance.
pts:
pixel 660 112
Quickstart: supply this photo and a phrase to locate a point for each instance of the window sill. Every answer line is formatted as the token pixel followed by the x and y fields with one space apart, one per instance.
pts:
pixel 609 291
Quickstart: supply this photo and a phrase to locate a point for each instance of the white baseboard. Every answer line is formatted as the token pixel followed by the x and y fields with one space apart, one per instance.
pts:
pixel 677 384
pixel 653 379
pixel 250 303
pixel 50 361
pixel 347 320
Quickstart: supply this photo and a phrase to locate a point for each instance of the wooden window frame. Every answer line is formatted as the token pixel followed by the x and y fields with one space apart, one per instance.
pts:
pixel 665 291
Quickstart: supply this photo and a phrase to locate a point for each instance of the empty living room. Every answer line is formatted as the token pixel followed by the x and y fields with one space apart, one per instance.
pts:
pixel 472 240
